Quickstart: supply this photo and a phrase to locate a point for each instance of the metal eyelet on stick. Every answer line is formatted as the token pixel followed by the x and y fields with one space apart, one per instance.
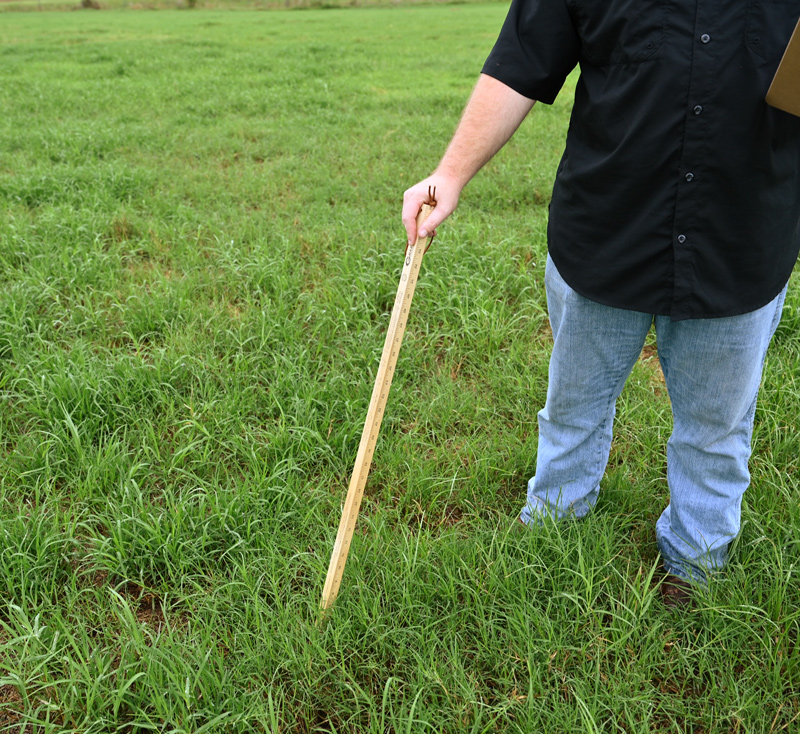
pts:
pixel 383 382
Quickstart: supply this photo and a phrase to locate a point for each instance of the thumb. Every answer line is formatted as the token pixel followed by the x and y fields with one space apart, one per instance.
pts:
pixel 432 221
pixel 427 228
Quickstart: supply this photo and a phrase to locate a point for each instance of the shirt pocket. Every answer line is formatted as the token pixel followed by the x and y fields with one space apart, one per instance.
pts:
pixel 620 31
pixel 769 26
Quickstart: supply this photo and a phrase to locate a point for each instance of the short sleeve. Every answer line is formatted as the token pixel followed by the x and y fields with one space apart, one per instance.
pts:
pixel 537 48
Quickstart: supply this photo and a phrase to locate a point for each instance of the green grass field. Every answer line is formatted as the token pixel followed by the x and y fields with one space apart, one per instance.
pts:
pixel 60 5
pixel 199 248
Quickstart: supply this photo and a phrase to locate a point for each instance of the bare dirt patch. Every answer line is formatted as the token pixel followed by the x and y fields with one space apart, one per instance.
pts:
pixel 11 711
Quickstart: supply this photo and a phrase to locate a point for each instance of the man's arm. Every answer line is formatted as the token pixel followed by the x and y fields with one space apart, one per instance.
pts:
pixel 491 117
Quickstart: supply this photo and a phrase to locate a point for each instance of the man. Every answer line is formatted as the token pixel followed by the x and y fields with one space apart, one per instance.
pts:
pixel 677 201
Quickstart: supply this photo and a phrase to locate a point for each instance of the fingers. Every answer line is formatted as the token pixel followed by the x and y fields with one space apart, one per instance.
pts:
pixel 447 193
pixel 413 199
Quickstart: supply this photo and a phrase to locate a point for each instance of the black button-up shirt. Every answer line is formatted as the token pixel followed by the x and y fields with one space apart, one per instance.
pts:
pixel 679 190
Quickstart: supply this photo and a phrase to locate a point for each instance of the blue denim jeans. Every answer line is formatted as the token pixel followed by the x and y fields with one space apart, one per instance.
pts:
pixel 712 368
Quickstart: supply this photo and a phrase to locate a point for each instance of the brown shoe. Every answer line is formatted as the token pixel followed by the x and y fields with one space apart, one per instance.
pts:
pixel 676 593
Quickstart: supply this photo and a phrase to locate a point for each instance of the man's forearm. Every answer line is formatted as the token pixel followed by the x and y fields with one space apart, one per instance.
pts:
pixel 491 117
pixel 493 113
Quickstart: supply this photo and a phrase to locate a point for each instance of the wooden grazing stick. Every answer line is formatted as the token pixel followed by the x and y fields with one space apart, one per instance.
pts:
pixel 383 382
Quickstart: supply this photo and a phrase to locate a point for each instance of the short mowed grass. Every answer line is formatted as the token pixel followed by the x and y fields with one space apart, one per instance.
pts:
pixel 200 245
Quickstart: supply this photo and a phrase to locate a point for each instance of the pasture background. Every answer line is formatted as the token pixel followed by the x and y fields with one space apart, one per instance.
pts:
pixel 199 248
pixel 60 5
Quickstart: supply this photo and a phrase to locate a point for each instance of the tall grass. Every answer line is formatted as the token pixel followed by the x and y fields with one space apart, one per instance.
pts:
pixel 199 248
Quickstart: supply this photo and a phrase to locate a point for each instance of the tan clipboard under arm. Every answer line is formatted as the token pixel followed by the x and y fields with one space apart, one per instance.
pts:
pixel 784 92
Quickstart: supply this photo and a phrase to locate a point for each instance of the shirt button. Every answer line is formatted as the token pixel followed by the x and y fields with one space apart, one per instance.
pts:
pixel 689 176
pixel 698 109
pixel 681 238
pixel 705 38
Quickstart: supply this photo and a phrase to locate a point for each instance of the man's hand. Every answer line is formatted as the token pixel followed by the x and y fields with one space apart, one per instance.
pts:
pixel 448 190
pixel 493 113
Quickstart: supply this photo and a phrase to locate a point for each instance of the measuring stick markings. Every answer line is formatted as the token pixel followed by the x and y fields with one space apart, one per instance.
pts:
pixel 372 425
